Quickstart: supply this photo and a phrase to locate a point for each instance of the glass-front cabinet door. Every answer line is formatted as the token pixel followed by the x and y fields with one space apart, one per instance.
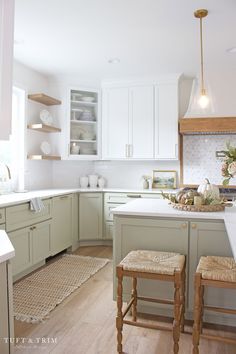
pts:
pixel 83 127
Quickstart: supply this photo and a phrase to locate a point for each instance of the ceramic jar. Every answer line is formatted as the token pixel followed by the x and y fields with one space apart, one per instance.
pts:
pixel 84 181
pixel 93 181
pixel 101 182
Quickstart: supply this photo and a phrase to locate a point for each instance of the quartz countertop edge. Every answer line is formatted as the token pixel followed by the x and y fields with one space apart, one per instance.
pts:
pixel 18 198
pixel 161 208
pixel 7 250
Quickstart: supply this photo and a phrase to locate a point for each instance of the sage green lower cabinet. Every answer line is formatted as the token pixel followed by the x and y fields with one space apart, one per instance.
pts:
pixel 109 229
pixel 41 241
pixel 210 239
pixel 61 235
pixel 32 245
pixel 2 227
pixel 193 238
pixel 90 216
pixel 6 309
pixel 2 216
pixel 149 234
pixel 22 242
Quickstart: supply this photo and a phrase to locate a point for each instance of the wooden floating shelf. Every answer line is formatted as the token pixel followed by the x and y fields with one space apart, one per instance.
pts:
pixel 43 157
pixel 44 99
pixel 43 128
pixel 220 125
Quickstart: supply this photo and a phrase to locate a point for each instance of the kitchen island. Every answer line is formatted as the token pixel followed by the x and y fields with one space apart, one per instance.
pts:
pixel 152 224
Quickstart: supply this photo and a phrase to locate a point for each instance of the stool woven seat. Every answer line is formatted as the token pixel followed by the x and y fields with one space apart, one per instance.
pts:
pixel 217 268
pixel 153 262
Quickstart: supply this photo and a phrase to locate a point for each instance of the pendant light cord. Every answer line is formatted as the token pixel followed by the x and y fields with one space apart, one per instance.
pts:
pixel 202 76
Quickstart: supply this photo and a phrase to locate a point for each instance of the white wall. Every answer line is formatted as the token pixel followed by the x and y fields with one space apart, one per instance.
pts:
pixel 38 174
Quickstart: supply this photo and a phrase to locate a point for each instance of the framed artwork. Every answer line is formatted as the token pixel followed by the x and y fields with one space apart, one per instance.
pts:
pixel 164 179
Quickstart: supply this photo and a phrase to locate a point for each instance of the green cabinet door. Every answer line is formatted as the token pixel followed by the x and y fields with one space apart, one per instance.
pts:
pixel 21 241
pixel 90 216
pixel 209 239
pixel 41 241
pixel 61 231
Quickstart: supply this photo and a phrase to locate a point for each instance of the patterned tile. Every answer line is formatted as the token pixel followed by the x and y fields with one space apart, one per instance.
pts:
pixel 200 159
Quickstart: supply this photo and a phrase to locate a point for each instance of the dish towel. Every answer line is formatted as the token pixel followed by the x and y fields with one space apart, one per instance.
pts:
pixel 36 205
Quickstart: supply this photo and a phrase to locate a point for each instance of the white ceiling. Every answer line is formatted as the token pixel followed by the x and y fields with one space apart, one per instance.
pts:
pixel 67 37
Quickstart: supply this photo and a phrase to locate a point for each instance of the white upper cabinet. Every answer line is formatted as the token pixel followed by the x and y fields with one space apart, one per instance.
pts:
pixel 140 120
pixel 141 125
pixel 166 121
pixel 128 120
pixel 115 123
pixel 6 63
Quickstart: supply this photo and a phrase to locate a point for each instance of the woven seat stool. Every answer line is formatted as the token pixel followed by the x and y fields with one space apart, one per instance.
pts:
pixel 163 266
pixel 212 271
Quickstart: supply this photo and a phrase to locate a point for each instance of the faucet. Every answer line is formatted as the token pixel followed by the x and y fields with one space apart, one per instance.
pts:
pixel 8 171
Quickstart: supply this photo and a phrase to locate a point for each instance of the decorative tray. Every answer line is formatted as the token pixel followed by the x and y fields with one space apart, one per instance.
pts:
pixel 199 208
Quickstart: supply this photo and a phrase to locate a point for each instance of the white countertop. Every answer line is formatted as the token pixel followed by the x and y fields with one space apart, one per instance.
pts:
pixel 17 198
pixel 161 208
pixel 6 250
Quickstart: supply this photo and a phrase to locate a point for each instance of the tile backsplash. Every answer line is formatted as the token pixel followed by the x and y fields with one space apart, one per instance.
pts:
pixel 200 159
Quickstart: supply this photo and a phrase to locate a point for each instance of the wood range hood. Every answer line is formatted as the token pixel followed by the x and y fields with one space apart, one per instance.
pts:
pixel 216 125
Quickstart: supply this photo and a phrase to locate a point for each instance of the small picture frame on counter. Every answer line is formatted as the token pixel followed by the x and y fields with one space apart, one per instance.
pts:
pixel 164 179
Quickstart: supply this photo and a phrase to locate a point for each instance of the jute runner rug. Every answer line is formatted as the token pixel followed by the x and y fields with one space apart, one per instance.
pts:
pixel 38 294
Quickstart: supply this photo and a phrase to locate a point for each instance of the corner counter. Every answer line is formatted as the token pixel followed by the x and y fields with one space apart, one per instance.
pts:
pixel 153 224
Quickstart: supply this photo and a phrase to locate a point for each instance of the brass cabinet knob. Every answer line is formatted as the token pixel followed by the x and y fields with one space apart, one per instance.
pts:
pixel 184 225
pixel 194 226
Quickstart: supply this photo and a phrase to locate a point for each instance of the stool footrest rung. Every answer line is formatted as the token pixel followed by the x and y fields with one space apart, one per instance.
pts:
pixel 128 307
pixel 160 301
pixel 147 325
pixel 219 338
pixel 219 309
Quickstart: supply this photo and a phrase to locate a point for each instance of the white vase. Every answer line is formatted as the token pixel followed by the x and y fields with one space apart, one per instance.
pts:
pixel 93 181
pixel 101 182
pixel 84 181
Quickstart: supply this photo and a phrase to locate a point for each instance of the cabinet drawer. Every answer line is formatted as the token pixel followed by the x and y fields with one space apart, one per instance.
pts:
pixel 19 216
pixel 108 210
pixel 120 198
pixel 2 216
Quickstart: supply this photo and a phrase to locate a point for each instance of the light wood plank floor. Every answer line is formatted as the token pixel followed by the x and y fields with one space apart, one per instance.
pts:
pixel 85 324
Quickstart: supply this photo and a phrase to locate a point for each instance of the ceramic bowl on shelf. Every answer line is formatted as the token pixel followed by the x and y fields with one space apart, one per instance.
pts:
pixel 45 147
pixel 46 117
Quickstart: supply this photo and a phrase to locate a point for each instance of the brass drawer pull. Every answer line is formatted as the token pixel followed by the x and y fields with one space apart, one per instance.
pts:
pixel 184 225
pixel 194 226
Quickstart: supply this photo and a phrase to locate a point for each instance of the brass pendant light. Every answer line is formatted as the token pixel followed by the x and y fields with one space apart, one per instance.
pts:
pixel 204 99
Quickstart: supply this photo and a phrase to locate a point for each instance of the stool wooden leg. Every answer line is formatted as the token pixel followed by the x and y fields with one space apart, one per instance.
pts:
pixel 183 301
pixel 119 317
pixel 197 313
pixel 177 314
pixel 134 295
pixel 202 307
